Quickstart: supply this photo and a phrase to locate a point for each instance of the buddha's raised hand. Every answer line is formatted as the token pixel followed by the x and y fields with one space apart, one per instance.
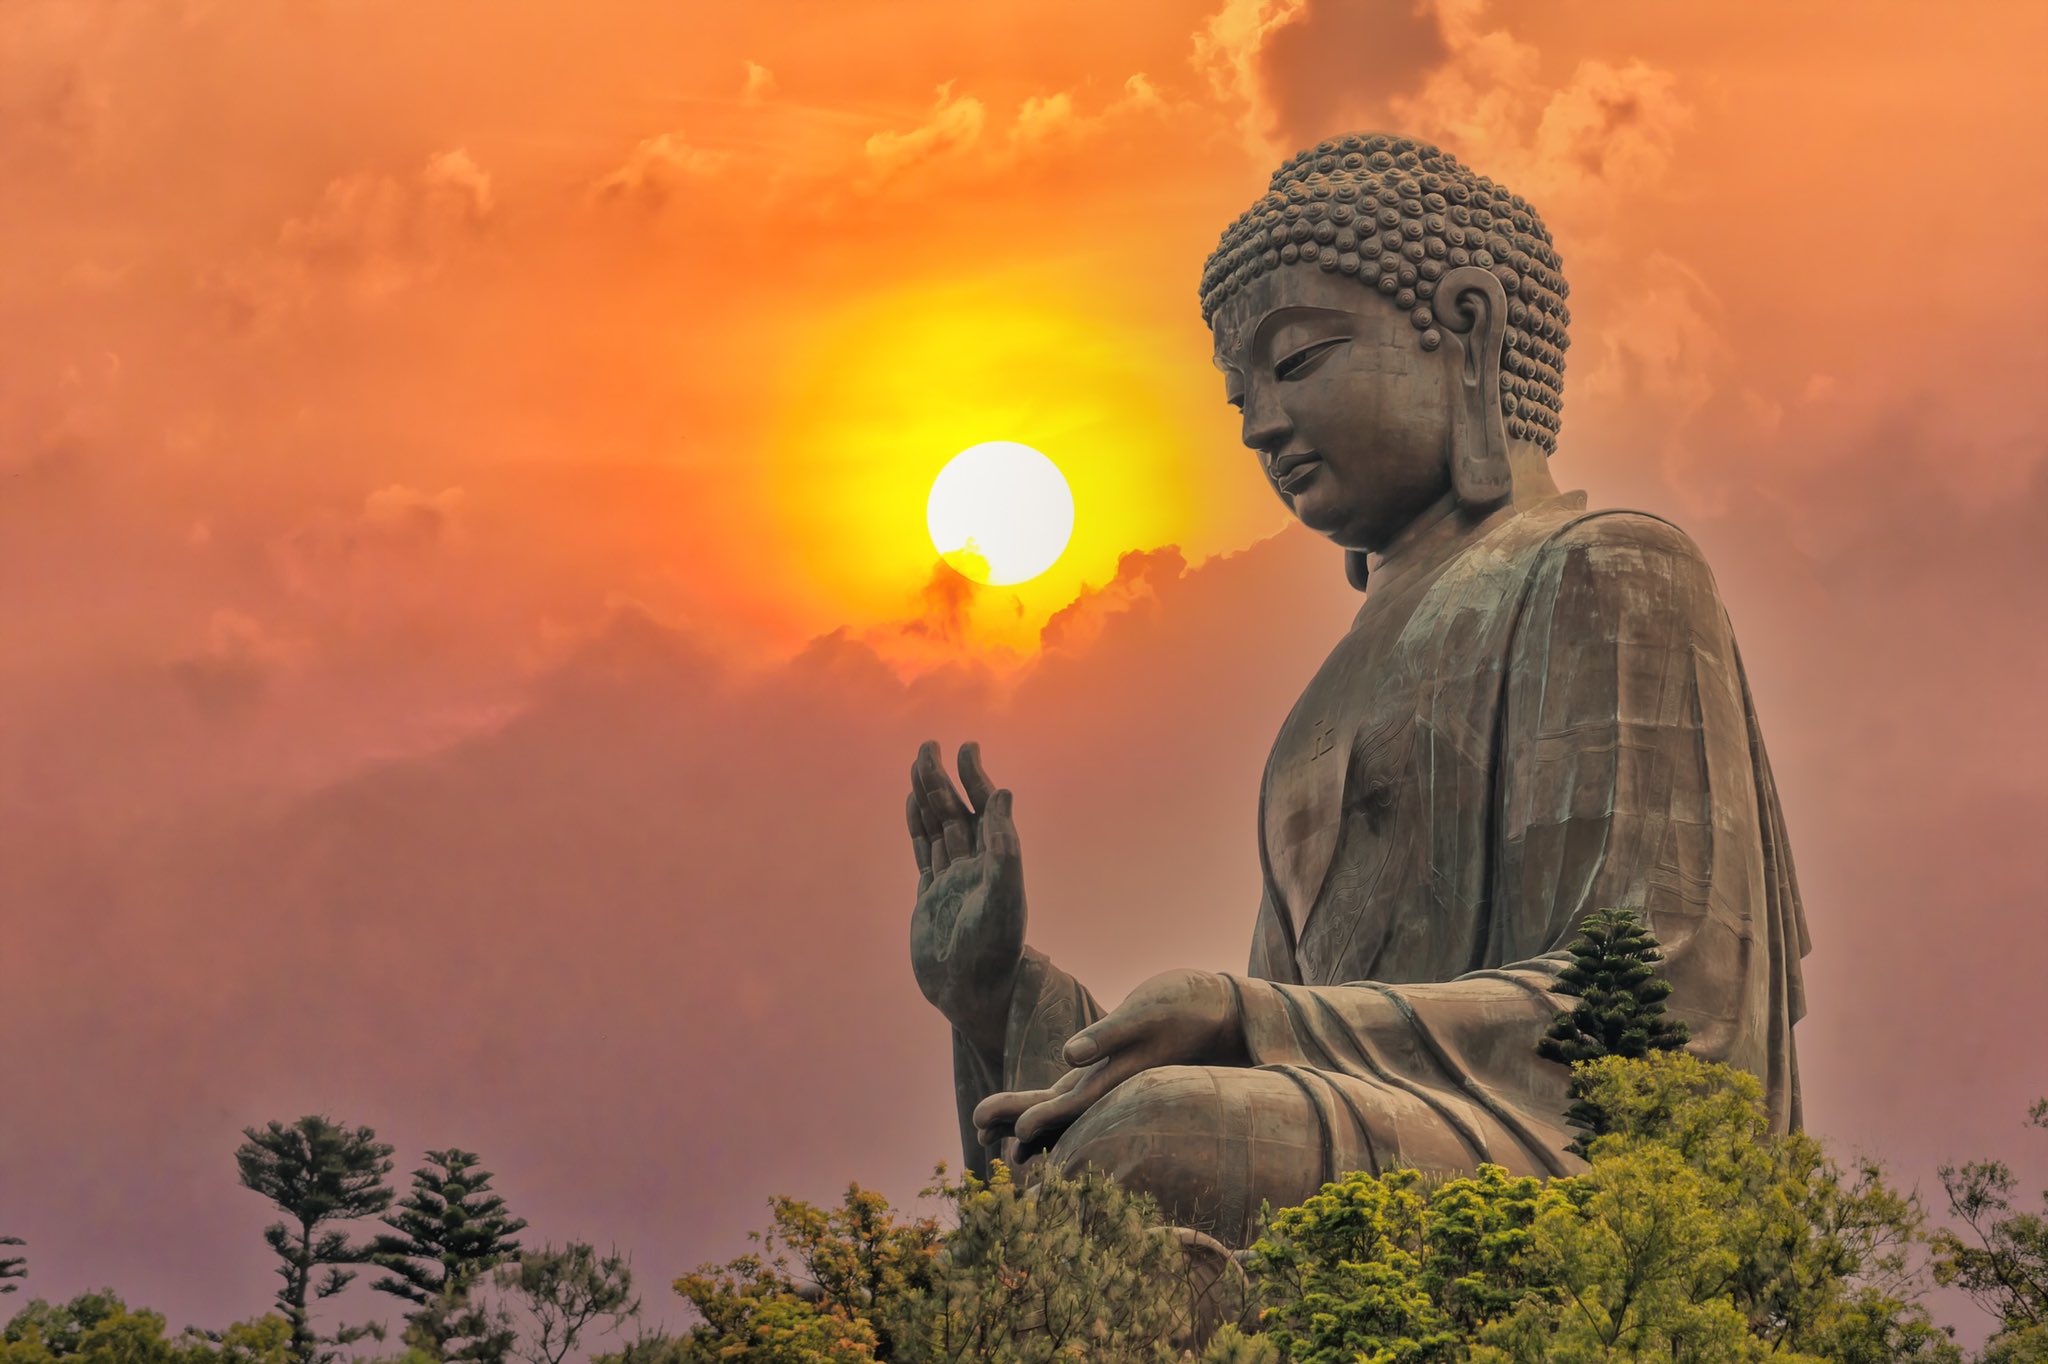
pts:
pixel 967 928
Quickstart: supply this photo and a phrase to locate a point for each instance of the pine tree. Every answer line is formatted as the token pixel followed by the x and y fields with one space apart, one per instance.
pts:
pixel 12 1266
pixel 318 1173
pixel 1620 1012
pixel 449 1230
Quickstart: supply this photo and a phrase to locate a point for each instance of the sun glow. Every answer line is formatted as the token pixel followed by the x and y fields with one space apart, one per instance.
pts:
pixel 879 394
pixel 1000 513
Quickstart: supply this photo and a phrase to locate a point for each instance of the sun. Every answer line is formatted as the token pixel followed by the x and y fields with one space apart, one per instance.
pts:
pixel 1000 513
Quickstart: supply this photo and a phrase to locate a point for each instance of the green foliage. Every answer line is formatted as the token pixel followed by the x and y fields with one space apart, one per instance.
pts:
pixel 562 1294
pixel 318 1173
pixel 1621 994
pixel 265 1340
pixel 59 1327
pixel 459 1324
pixel 1393 1270
pixel 1069 1267
pixel 99 1328
pixel 447 1232
pixel 1065 1268
pixel 1230 1345
pixel 2003 1262
pixel 1696 1234
pixel 825 1285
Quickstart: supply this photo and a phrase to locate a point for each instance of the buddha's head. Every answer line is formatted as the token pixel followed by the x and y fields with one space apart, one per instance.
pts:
pixel 1393 328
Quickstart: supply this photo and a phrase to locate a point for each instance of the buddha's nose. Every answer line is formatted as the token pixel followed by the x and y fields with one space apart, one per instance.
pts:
pixel 1266 428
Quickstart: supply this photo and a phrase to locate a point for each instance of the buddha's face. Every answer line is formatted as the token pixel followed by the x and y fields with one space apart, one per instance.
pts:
pixel 1347 412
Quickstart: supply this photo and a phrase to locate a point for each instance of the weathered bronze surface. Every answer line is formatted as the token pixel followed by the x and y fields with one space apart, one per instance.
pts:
pixel 1539 711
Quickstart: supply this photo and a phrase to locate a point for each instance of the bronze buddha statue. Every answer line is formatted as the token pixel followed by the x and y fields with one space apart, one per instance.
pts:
pixel 1538 711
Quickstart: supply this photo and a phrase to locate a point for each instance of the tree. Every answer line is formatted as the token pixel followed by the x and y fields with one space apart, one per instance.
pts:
pixel 460 1323
pixel 265 1340
pixel 853 1263
pixel 447 1232
pixel 1695 1234
pixel 821 1289
pixel 99 1328
pixel 562 1293
pixel 1393 1269
pixel 12 1266
pixel 1621 994
pixel 1699 1233
pixel 1069 1267
pixel 318 1173
pixel 2003 1266
pixel 59 1327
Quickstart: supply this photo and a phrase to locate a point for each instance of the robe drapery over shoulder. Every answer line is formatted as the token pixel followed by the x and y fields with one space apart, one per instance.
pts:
pixel 1547 719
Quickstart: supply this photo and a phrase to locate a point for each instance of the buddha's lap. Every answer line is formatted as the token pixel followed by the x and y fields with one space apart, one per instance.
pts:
pixel 1211 1143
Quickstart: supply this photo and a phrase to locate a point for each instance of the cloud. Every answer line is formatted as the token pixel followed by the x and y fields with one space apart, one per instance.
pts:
pixel 1611 126
pixel 1571 149
pixel 1338 65
pixel 657 169
pixel 405 515
pixel 1300 70
pixel 760 83
pixel 370 238
pixel 230 674
pixel 1229 48
pixel 677 889
pixel 1044 121
pixel 376 550
pixel 953 127
pixel 961 138
pixel 1140 575
pixel 51 118
pixel 1044 117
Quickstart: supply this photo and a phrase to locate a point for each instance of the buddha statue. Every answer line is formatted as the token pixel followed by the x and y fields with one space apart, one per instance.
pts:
pixel 1538 711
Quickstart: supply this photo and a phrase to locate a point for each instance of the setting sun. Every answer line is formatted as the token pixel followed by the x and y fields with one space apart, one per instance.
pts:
pixel 1000 513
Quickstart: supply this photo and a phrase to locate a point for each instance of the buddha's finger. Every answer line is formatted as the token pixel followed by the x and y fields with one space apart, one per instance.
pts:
pixel 942 800
pixel 927 822
pixel 1003 1110
pixel 974 777
pixel 1117 1031
pixel 1077 1092
pixel 920 844
pixel 998 830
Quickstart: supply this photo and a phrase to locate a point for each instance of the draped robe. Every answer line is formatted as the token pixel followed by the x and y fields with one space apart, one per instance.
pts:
pixel 1538 716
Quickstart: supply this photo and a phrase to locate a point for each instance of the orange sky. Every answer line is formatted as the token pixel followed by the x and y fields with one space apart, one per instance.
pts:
pixel 464 585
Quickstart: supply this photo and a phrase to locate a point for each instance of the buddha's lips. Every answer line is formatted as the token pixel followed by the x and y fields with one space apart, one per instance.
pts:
pixel 1291 473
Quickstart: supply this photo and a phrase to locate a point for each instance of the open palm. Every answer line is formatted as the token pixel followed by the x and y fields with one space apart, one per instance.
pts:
pixel 967 926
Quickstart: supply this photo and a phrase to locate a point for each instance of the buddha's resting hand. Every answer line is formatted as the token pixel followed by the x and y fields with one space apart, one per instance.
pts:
pixel 967 927
pixel 1177 1018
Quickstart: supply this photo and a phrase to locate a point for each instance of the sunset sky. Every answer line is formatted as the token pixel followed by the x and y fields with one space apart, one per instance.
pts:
pixel 467 611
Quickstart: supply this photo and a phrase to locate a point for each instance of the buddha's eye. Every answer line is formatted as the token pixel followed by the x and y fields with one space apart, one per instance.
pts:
pixel 1304 360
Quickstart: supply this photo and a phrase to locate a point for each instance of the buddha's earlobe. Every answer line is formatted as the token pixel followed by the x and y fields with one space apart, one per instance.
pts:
pixel 1356 568
pixel 1471 309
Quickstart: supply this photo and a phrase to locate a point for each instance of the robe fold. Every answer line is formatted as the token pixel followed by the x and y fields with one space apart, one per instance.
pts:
pixel 1545 717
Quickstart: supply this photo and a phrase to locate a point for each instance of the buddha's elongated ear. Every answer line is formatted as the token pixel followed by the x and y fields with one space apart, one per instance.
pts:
pixel 1471 311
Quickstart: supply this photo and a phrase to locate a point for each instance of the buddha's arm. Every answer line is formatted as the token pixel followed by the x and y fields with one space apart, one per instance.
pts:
pixel 1047 1006
pixel 1630 776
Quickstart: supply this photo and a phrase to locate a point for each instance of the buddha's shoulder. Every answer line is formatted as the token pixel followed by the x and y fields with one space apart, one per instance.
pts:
pixel 1618 538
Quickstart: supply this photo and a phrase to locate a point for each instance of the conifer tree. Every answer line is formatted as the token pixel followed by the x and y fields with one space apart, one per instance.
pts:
pixel 12 1266
pixel 318 1173
pixel 445 1234
pixel 1621 994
